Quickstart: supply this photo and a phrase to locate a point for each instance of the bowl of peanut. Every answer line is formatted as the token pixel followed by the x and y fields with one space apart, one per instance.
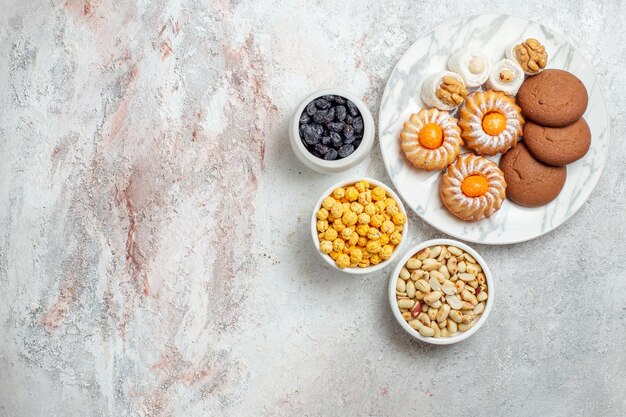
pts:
pixel 441 292
pixel 359 225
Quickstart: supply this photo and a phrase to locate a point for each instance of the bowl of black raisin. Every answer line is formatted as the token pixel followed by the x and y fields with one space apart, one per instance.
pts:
pixel 332 130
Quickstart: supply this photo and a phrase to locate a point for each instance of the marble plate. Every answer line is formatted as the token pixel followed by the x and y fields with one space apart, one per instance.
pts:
pixel 420 189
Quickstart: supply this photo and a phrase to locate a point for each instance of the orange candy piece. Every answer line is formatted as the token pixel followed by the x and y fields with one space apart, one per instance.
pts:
pixel 494 123
pixel 431 136
pixel 475 185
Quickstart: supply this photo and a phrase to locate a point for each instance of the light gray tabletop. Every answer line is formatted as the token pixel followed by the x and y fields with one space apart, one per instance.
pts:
pixel 155 253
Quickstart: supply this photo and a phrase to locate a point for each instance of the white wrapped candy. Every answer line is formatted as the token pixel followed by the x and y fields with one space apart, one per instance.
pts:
pixel 506 76
pixel 471 64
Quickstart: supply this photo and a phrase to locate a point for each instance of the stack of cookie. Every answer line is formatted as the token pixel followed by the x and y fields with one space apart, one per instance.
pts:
pixel 554 135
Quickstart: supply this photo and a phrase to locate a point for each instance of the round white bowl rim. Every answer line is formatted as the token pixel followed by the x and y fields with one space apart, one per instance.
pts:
pixel 460 336
pixel 359 153
pixel 373 268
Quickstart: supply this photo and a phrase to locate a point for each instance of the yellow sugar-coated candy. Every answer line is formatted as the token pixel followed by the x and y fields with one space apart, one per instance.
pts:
pixel 338 225
pixel 386 252
pixel 399 227
pixel 352 194
pixel 387 227
pixel 320 236
pixel 346 207
pixel 380 206
pixel 399 218
pixel 373 234
pixel 330 234
pixel 346 233
pixel 356 207
pixel 392 210
pixel 346 249
pixel 377 220
pixel 390 202
pixel 349 218
pixel 365 197
pixel 322 214
pixel 378 194
pixel 363 218
pixel 326 246
pixel 338 245
pixel 328 202
pixel 334 255
pixel 364 263
pixel 339 193
pixel 362 186
pixel 373 246
pixel 362 241
pixel 354 239
pixel 375 259
pixel 370 209
pixel 356 255
pixel 321 225
pixel 336 210
pixel 362 229
pixel 384 238
pixel 395 237
pixel 366 254
pixel 343 261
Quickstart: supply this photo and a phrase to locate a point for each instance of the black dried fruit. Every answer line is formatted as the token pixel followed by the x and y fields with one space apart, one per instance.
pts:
pixel 320 116
pixel 348 130
pixel 340 113
pixel 311 109
pixel 336 126
pixel 319 129
pixel 352 109
pixel 346 150
pixel 321 149
pixel 331 115
pixel 336 139
pixel 320 103
pixel 358 124
pixel 331 155
pixel 331 127
pixel 310 136
pixel 324 116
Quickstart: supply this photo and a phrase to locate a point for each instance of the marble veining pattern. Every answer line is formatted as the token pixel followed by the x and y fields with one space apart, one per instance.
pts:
pixel 155 253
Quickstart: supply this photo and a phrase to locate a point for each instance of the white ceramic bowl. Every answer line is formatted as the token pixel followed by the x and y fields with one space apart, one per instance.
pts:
pixel 368 269
pixel 321 165
pixel 460 335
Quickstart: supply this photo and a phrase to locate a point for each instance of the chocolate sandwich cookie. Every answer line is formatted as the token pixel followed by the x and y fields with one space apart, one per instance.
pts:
pixel 529 182
pixel 553 98
pixel 558 146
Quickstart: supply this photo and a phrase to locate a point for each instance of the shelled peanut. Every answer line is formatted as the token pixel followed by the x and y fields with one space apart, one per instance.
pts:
pixel 441 290
pixel 359 225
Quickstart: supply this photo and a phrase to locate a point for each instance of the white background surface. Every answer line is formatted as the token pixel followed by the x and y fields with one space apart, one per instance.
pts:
pixel 155 254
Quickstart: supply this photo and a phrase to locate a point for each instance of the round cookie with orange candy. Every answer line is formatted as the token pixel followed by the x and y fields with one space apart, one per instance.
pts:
pixel 490 122
pixel 431 139
pixel 473 187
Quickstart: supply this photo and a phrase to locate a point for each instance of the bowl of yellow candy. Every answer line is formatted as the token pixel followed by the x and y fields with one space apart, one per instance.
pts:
pixel 358 225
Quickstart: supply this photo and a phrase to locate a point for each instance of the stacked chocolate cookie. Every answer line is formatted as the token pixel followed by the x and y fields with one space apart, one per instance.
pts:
pixel 554 135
